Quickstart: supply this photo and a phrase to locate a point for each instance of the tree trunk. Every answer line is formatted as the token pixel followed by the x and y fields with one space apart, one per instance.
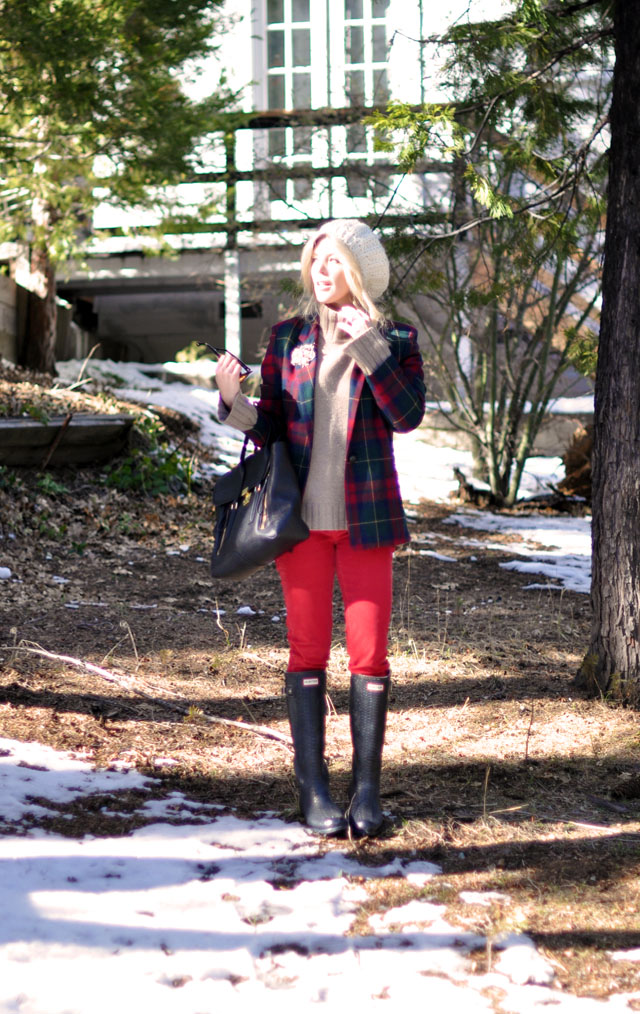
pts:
pixel 612 664
pixel 38 352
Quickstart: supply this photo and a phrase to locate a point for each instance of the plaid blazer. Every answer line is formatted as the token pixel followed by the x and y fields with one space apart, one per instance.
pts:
pixel 391 398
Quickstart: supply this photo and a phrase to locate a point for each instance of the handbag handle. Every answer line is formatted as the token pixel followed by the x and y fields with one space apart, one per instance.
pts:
pixel 270 438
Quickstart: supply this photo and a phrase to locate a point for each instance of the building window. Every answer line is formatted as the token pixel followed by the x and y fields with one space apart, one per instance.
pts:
pixel 275 11
pixel 365 61
pixel 288 54
pixel 289 87
pixel 366 52
pixel 346 65
pixel 300 10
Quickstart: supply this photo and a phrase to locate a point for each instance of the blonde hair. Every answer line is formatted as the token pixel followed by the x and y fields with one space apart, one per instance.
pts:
pixel 353 276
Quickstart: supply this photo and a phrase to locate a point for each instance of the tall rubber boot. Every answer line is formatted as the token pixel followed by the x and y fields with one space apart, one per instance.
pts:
pixel 306 704
pixel 368 715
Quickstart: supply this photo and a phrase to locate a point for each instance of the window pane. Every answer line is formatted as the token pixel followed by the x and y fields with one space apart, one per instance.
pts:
pixel 277 142
pixel 380 87
pixel 380 183
pixel 275 11
pixel 302 91
pixel 301 47
pixel 302 189
pixel 356 138
pixel 275 91
pixel 357 184
pixel 300 10
pixel 275 49
pixel 379 8
pixel 278 190
pixel 332 136
pixel 379 47
pixel 355 44
pixel 352 9
pixel 354 87
pixel 301 141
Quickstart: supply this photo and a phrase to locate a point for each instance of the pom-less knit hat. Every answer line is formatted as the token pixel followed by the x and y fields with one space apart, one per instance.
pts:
pixel 365 247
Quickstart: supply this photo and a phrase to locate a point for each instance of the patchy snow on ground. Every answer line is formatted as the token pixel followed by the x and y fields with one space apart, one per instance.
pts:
pixel 566 560
pixel 425 471
pixel 210 911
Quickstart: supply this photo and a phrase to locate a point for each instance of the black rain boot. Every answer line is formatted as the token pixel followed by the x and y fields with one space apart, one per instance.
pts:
pixel 306 704
pixel 368 716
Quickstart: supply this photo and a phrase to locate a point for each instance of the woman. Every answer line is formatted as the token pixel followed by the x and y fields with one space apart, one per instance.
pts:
pixel 337 381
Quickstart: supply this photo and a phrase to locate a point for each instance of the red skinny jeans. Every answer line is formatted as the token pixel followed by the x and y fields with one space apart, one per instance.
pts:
pixel 308 573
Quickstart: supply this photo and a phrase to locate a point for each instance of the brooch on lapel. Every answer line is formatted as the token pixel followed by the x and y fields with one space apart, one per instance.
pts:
pixel 302 355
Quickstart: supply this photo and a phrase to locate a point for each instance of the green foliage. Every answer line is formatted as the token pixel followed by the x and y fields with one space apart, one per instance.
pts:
pixel 291 287
pixel 47 527
pixel 153 468
pixel 505 278
pixel 194 715
pixel 92 111
pixel 583 353
pixel 411 135
pixel 128 525
pixel 483 192
pixel 526 94
pixel 191 352
pixel 35 412
pixel 9 479
pixel 50 487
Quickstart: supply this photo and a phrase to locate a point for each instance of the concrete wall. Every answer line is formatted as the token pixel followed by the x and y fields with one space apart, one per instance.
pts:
pixel 8 319
pixel 71 342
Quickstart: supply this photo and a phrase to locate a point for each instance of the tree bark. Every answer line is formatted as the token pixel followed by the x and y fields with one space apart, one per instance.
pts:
pixel 38 352
pixel 612 665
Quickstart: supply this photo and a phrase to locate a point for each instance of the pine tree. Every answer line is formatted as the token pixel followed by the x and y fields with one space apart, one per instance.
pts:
pixel 91 109
pixel 505 277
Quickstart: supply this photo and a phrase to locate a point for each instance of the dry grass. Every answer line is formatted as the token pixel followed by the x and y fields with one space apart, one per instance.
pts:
pixel 496 768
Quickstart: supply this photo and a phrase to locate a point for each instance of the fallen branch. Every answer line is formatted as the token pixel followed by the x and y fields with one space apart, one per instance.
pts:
pixel 128 682
pixel 262 661
pixel 56 440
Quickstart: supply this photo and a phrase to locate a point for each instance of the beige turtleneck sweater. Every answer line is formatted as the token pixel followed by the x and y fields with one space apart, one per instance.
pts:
pixel 323 504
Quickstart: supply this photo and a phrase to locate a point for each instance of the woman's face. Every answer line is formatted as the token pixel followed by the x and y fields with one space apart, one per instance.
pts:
pixel 327 275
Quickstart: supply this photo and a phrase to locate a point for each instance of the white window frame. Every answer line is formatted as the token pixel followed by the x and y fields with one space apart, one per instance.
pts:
pixel 328 70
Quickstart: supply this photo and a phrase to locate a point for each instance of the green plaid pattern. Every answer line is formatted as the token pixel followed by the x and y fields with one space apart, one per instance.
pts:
pixel 391 399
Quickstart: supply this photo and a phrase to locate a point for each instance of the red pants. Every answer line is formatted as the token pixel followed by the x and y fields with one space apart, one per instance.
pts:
pixel 307 574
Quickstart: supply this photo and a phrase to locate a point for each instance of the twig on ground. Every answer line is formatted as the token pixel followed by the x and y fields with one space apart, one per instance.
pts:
pixel 130 683
pixel 526 746
pixel 84 365
pixel 487 775
pixel 56 440
pixel 261 660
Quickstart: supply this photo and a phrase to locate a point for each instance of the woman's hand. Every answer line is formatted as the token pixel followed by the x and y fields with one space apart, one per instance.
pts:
pixel 354 321
pixel 228 374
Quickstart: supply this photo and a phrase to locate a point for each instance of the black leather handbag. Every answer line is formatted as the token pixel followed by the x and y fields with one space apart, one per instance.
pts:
pixel 257 512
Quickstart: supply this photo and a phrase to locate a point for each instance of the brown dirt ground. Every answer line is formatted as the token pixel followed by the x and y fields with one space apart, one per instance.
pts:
pixel 496 767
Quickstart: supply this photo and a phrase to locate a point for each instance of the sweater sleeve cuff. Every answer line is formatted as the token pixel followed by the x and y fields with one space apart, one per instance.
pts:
pixel 369 351
pixel 241 416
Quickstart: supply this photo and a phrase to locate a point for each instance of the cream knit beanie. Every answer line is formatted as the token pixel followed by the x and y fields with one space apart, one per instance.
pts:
pixel 365 247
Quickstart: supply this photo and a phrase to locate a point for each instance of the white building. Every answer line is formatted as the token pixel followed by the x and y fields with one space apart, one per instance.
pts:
pixel 283 56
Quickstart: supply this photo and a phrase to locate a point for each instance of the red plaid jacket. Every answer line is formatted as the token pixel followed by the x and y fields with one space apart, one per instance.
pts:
pixel 391 398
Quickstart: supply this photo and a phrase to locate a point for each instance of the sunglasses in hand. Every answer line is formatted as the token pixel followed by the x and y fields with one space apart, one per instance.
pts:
pixel 218 353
